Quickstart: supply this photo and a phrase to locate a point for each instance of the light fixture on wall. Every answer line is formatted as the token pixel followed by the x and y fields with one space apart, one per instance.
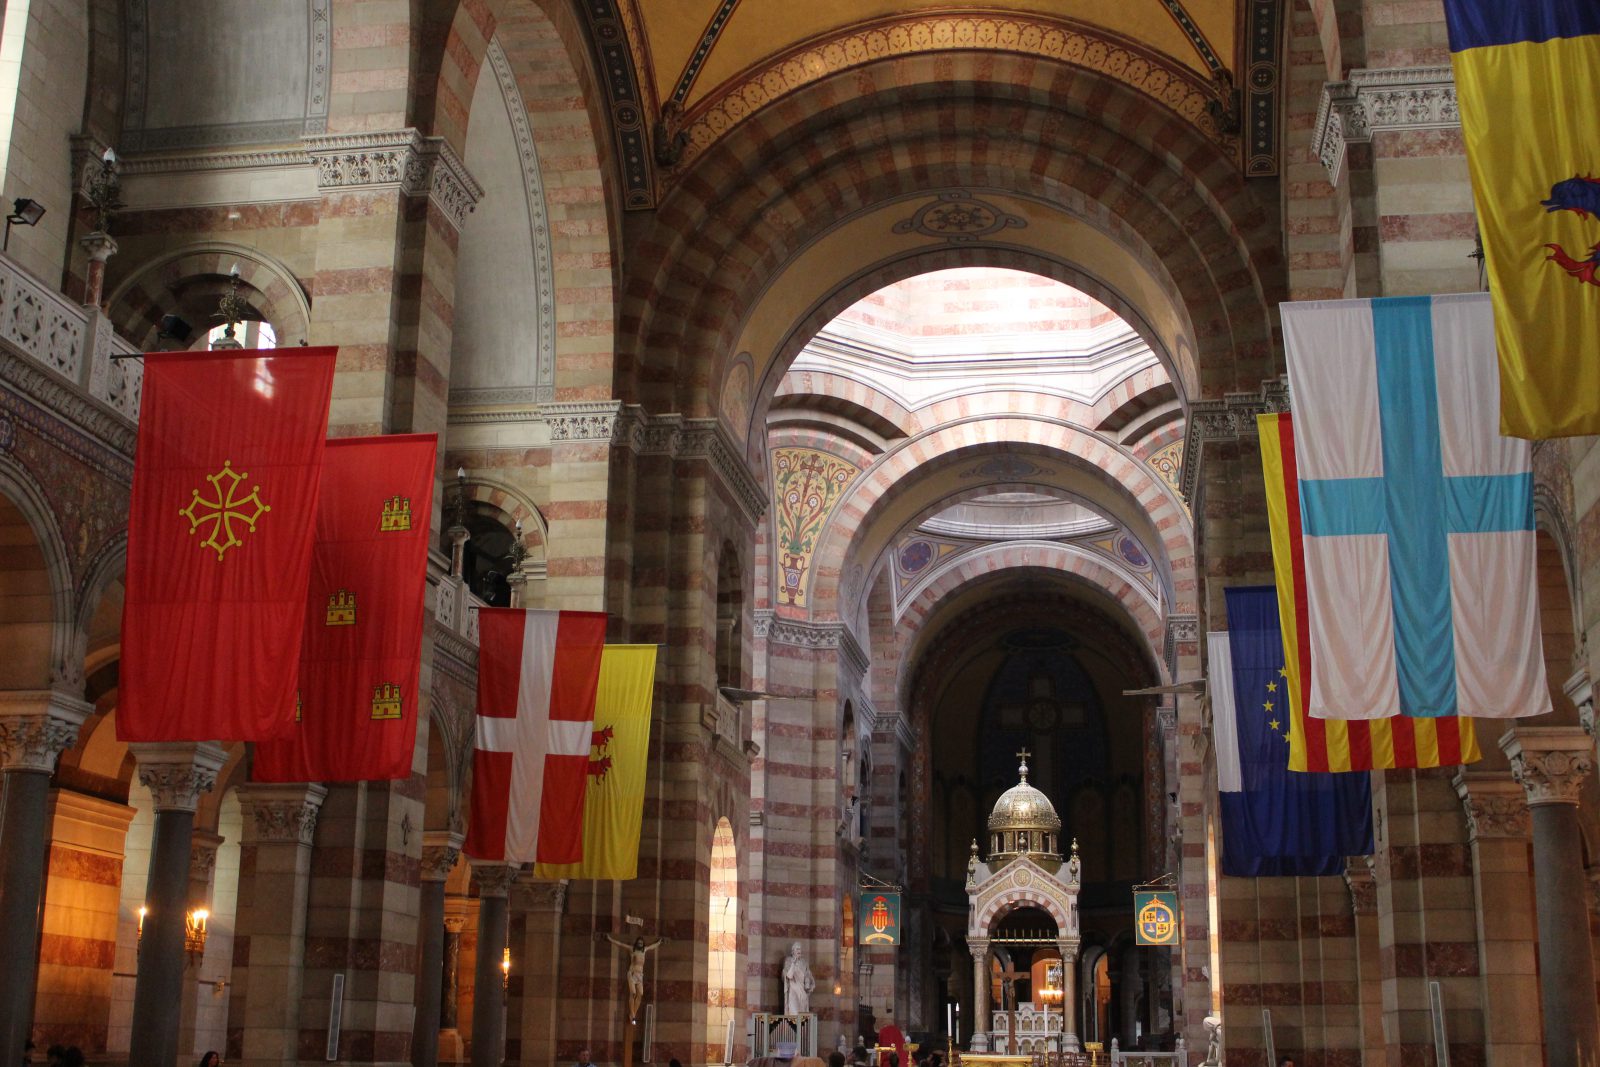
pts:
pixel 505 967
pixel 24 212
pixel 143 911
pixel 194 933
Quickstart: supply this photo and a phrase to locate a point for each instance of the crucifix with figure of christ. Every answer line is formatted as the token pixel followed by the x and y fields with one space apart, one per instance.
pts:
pixel 1008 1000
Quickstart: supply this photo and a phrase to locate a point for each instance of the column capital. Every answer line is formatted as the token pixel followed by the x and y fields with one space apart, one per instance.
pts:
pixel 494 877
pixel 281 814
pixel 977 945
pixel 203 847
pixel 440 851
pixel 1580 690
pixel 1068 947
pixel 1549 761
pixel 176 773
pixel 100 246
pixel 1363 885
pixel 1496 806
pixel 531 895
pixel 36 726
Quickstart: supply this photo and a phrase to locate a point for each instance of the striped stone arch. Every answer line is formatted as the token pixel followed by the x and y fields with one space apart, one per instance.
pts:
pixel 852 391
pixel 23 607
pixel 1066 559
pixel 188 281
pixel 1072 138
pixel 543 48
pixel 507 504
pixel 1127 490
pixel 1004 903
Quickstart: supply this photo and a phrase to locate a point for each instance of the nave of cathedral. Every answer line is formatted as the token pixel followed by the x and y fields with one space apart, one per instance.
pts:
pixel 894 368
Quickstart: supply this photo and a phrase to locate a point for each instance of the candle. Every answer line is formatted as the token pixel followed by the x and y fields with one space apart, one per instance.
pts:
pixel 949 1019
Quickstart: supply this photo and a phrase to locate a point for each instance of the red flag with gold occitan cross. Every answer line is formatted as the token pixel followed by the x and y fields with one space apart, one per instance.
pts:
pixel 225 484
pixel 356 716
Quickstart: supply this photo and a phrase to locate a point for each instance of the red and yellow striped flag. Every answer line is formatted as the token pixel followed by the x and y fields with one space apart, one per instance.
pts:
pixel 1336 744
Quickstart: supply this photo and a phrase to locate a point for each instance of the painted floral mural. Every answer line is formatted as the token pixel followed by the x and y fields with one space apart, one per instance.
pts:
pixel 806 484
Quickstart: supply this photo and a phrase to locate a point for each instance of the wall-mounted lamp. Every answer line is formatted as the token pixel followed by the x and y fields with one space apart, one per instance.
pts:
pixel 24 212
pixel 505 967
pixel 194 933
pixel 143 911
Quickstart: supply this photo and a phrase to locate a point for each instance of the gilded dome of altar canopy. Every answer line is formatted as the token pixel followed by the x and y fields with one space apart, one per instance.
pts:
pixel 1023 821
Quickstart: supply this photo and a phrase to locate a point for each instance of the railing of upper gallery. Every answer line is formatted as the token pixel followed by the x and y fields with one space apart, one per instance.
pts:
pixel 73 342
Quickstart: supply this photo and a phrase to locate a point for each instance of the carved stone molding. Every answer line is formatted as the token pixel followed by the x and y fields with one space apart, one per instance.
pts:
pixel 282 814
pixel 397 159
pixel 1228 419
pixel 707 438
pixel 814 635
pixel 36 726
pixel 494 878
pixel 588 420
pixel 177 773
pixel 96 420
pixel 440 851
pixel 1496 806
pixel 203 857
pixel 1550 761
pixel 1375 101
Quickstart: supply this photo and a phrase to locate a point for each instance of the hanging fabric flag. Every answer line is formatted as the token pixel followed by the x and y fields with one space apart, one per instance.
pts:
pixel 1274 822
pixel 225 483
pixel 537 678
pixel 1336 744
pixel 1416 515
pixel 619 749
pixel 1524 70
pixel 356 709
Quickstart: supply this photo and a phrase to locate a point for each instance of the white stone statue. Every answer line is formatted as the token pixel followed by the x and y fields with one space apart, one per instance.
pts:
pixel 1213 1025
pixel 797 982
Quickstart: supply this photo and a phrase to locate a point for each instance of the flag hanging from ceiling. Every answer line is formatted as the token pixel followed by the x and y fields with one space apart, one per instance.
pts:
pixel 538 673
pixel 356 709
pixel 619 750
pixel 1274 822
pixel 1416 515
pixel 1525 73
pixel 225 483
pixel 1336 744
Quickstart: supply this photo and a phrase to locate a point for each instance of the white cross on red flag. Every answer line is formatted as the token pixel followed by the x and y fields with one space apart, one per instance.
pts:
pixel 537 677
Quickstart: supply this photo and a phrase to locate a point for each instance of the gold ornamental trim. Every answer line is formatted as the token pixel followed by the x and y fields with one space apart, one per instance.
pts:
pixel 1172 86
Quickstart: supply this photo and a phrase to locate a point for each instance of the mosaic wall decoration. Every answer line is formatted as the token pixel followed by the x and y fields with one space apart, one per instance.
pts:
pixel 806 484
pixel 1168 463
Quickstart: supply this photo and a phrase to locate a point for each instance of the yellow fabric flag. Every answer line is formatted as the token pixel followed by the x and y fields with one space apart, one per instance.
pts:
pixel 613 807
pixel 1525 73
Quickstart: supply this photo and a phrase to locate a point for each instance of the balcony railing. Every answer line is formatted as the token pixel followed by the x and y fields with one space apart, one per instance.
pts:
pixel 70 340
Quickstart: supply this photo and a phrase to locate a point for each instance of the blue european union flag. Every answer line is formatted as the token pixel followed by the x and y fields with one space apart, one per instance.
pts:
pixel 1279 822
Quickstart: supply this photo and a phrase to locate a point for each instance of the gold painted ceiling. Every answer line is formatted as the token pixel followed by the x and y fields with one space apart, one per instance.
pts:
pixel 694 50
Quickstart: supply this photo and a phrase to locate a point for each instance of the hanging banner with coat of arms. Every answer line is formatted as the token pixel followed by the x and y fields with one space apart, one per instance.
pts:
pixel 1155 917
pixel 880 918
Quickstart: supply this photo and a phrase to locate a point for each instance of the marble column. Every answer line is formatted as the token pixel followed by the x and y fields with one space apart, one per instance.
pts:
pixel 535 1025
pixel 36 726
pixel 100 247
pixel 1497 832
pixel 1068 947
pixel 280 822
pixel 440 850
pixel 488 994
pixel 979 947
pixel 176 775
pixel 1551 763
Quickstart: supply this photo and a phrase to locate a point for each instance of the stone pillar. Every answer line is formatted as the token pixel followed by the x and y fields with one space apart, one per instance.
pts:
pixel 1363 885
pixel 1128 1000
pixel 542 905
pixel 1551 763
pixel 176 775
pixel 979 947
pixel 270 932
pixel 440 850
pixel 488 995
pixel 202 867
pixel 1068 948
pixel 36 726
pixel 100 247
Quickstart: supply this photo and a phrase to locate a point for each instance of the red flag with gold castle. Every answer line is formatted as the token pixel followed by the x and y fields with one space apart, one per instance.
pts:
pixel 356 719
pixel 225 485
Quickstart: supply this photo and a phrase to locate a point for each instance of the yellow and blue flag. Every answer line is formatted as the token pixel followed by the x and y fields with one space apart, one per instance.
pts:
pixel 1525 73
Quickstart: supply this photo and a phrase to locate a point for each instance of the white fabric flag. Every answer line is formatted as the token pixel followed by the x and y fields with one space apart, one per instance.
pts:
pixel 1417 515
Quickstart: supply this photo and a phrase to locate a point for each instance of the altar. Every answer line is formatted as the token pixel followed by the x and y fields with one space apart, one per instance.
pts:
pixel 1023 875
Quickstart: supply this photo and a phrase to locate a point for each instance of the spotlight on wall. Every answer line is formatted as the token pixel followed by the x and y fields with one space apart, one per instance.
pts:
pixel 24 212
pixel 174 329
